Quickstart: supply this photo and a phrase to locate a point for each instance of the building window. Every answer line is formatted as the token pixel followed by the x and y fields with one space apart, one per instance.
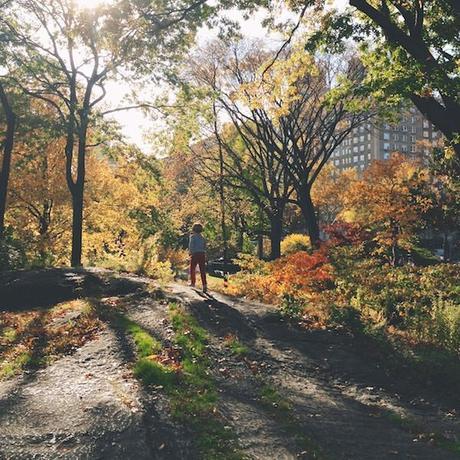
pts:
pixel 404 128
pixel 355 149
pixel 413 148
pixel 386 146
pixel 386 155
pixel 386 136
pixel 404 118
pixel 426 134
pixel 404 138
pixel 337 162
pixel 413 139
pixel 396 137
pixel 361 148
pixel 414 129
pixel 355 140
pixel 404 148
pixel 395 147
pixel 413 120
pixel 355 159
pixel 361 138
pixel 361 157
pixel 426 124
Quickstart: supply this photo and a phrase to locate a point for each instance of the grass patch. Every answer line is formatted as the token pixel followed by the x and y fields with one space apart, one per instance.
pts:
pixel 236 347
pixel 148 368
pixel 195 399
pixel 187 381
pixel 151 372
pixel 411 425
pixel 9 335
pixel 271 397
pixel 14 366
pixel 449 444
pixel 146 345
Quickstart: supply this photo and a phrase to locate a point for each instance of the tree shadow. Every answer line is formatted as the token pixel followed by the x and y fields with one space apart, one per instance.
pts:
pixel 26 289
pixel 357 359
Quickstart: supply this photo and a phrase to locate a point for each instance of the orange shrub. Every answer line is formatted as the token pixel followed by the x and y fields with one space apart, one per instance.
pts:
pixel 303 272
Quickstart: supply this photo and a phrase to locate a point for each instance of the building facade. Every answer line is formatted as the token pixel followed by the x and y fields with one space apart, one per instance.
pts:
pixel 412 135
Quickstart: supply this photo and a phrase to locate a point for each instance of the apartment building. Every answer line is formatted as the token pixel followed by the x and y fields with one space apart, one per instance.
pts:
pixel 412 135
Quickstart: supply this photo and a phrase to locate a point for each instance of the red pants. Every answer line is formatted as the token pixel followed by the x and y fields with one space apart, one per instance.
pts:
pixel 198 258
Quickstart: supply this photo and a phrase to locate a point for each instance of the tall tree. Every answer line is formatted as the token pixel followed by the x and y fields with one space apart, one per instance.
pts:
pixel 242 137
pixel 7 147
pixel 414 53
pixel 67 55
pixel 316 107
pixel 291 114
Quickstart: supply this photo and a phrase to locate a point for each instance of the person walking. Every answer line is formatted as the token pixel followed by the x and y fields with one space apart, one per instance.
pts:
pixel 197 249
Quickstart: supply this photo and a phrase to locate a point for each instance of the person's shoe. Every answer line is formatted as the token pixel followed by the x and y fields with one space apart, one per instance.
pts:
pixel 191 285
pixel 205 289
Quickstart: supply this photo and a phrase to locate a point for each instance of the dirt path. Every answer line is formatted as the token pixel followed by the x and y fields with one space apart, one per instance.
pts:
pixel 342 402
pixel 295 394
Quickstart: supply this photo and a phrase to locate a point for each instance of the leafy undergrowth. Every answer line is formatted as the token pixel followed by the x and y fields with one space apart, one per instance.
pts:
pixel 183 372
pixel 434 366
pixel 30 339
pixel 407 318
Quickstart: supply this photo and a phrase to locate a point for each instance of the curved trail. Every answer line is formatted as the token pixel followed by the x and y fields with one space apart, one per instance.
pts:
pixel 342 401
pixel 341 405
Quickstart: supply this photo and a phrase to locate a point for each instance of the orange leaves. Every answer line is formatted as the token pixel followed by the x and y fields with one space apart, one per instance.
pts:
pixel 302 271
pixel 300 274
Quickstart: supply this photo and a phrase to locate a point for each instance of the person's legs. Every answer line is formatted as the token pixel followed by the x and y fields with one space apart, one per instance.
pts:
pixel 193 263
pixel 202 265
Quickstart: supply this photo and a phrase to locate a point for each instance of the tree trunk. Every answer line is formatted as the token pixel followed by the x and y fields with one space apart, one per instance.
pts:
pixel 276 233
pixel 77 197
pixel 444 119
pixel 446 247
pixel 7 152
pixel 310 218
pixel 260 246
pixel 77 227
pixel 223 225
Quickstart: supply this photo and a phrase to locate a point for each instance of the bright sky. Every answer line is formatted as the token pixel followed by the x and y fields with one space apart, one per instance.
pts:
pixel 135 125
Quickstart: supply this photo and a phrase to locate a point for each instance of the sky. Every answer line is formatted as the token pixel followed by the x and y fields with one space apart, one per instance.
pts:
pixel 134 124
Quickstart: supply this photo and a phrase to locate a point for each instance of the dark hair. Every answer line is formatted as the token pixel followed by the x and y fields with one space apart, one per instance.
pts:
pixel 197 228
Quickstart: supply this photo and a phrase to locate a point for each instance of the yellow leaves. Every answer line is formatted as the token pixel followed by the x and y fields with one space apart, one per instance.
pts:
pixel 348 215
pixel 274 87
pixel 449 152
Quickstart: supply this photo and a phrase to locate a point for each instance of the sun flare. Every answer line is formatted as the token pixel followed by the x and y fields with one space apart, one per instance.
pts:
pixel 89 4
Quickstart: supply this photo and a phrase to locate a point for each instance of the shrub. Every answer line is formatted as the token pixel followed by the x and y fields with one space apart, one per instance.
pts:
pixel 253 265
pixel 12 254
pixel 294 243
pixel 302 272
